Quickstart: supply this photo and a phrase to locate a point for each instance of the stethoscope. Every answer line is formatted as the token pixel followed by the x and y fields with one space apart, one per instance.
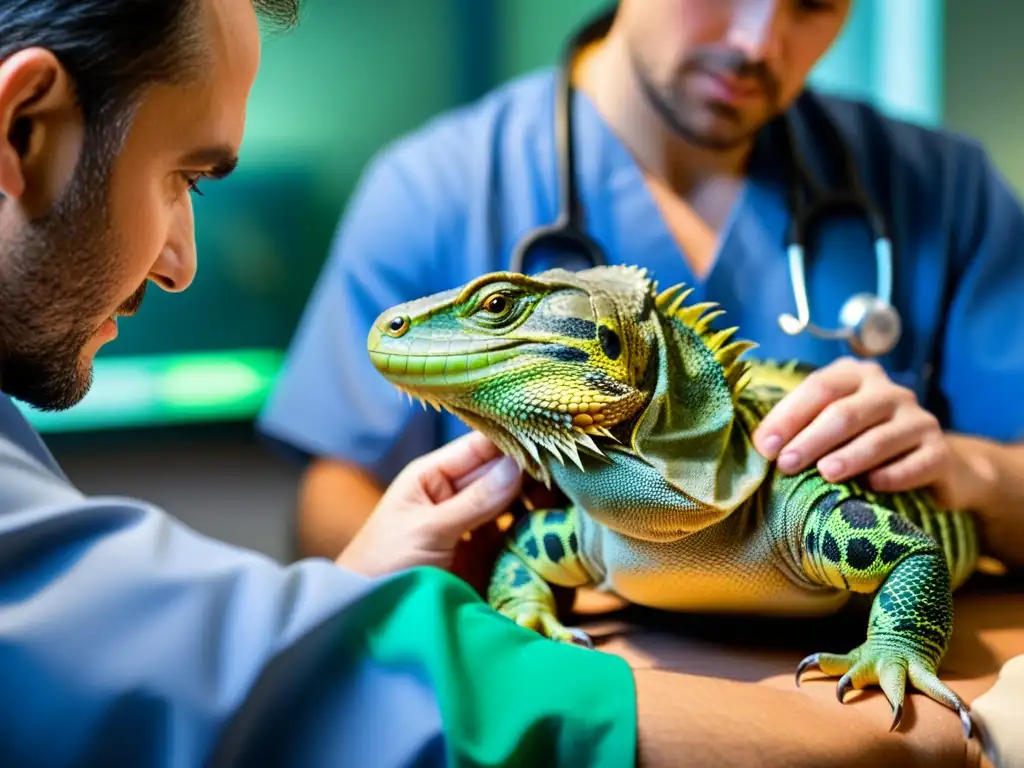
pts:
pixel 869 323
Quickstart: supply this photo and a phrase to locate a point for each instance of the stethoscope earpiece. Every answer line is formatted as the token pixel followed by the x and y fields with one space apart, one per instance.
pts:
pixel 790 325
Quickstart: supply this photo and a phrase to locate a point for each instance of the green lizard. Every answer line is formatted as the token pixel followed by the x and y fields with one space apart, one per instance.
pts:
pixel 625 397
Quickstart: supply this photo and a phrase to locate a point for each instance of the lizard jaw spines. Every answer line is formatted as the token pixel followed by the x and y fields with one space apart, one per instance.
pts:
pixel 698 318
pixel 561 445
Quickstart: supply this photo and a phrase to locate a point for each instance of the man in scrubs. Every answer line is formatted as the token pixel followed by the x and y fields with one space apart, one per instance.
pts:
pixel 676 175
pixel 126 639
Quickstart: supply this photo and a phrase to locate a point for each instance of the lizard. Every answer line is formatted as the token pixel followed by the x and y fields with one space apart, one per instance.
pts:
pixel 628 399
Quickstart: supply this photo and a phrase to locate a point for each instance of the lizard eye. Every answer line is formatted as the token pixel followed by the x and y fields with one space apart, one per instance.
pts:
pixel 498 309
pixel 497 304
pixel 398 325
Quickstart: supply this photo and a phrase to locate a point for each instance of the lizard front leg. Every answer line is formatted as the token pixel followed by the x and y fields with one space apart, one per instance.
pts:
pixel 542 549
pixel 863 547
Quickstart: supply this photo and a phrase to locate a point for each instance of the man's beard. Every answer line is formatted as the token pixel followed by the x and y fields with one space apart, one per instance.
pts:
pixel 670 101
pixel 56 275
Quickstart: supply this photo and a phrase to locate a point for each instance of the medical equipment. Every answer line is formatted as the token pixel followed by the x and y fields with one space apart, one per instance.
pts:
pixel 869 323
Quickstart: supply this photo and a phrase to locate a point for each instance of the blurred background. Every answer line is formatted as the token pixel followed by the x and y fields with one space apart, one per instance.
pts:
pixel 169 418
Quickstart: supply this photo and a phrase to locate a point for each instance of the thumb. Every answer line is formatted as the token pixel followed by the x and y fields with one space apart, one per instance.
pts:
pixel 484 499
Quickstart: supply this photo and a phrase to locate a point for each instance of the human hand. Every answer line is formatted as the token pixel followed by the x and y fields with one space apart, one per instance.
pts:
pixel 848 419
pixel 429 507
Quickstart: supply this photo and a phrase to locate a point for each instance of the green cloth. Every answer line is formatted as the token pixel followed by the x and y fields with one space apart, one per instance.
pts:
pixel 507 696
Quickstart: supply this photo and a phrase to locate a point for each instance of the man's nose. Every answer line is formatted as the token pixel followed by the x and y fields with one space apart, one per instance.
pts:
pixel 755 29
pixel 175 268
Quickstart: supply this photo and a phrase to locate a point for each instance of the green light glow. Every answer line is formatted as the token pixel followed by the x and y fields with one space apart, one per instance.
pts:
pixel 168 389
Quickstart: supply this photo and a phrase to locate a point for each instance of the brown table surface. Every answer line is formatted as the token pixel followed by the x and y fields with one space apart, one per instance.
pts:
pixel 736 680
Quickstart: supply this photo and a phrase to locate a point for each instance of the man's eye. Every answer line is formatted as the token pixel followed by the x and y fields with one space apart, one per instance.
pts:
pixel 193 182
pixel 816 5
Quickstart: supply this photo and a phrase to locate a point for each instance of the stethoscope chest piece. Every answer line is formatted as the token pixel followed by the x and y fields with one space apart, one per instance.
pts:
pixel 868 322
pixel 873 326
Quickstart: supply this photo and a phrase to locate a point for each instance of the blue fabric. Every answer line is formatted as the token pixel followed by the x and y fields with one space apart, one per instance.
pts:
pixel 451 200
pixel 128 639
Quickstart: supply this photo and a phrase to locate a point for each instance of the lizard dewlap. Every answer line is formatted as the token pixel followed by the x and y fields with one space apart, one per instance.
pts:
pixel 625 397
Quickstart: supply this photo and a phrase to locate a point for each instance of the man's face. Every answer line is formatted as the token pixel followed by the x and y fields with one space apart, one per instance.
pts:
pixel 85 235
pixel 717 70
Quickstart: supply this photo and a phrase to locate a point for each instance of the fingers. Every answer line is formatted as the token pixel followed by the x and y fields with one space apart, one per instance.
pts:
pixel 441 473
pixel 919 468
pixel 466 483
pixel 471 477
pixel 878 446
pixel 850 420
pixel 460 457
pixel 801 406
pixel 834 426
pixel 482 500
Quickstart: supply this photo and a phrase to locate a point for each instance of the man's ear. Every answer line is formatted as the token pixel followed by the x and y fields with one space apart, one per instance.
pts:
pixel 40 127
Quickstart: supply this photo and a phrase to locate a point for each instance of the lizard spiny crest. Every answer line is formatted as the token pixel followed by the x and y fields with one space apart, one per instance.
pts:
pixel 671 302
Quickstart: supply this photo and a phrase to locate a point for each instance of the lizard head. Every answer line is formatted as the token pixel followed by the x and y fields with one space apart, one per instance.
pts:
pixel 546 366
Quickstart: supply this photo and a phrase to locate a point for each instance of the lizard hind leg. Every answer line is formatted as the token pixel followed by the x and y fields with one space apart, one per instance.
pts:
pixel 542 549
pixel 864 547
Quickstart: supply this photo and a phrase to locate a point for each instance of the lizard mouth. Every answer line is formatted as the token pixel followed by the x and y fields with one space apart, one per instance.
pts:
pixel 495 388
pixel 438 367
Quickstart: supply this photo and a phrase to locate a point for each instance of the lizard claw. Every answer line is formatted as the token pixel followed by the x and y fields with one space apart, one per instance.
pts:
pixel 897 717
pixel 810 662
pixel 891 669
pixel 844 687
pixel 579 637
pixel 965 721
pixel 542 620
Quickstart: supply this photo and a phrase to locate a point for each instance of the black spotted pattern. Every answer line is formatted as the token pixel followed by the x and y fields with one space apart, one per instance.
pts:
pixel 599 382
pixel 830 549
pixel 893 551
pixel 574 544
pixel 827 503
pixel 860 553
pixel 901 527
pixel 566 327
pixel 562 353
pixel 553 547
pixel 858 514
pixel 529 545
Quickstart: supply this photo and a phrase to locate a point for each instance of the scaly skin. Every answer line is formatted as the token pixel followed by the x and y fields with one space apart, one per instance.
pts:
pixel 670 505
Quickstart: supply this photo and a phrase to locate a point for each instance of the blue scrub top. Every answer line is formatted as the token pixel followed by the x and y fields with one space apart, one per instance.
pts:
pixel 127 639
pixel 451 200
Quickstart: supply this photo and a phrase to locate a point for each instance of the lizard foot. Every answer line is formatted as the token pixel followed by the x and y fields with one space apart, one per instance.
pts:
pixel 541 620
pixel 875 663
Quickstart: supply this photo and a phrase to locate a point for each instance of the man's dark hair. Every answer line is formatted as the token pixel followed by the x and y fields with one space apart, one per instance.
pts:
pixel 112 49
